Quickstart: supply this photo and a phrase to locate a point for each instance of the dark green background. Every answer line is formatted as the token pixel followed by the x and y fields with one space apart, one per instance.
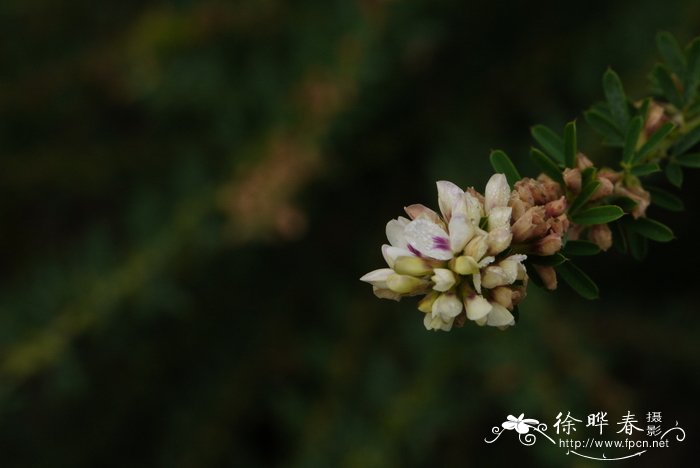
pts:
pixel 191 190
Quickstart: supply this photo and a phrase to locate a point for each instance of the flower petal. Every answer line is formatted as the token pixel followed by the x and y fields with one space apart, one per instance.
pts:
pixel 436 323
pixel 477 307
pixel 447 306
pixel 383 293
pixel 475 209
pixel 391 253
pixel 499 240
pixel 497 192
pixel 378 277
pixel 495 276
pixel 499 316
pixel 443 278
pixel 509 425
pixel 428 238
pixel 499 217
pixel 395 232
pixel 461 231
pixel 421 211
pixel 449 194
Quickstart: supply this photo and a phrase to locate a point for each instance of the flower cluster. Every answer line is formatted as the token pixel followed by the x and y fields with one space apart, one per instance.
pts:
pixel 461 261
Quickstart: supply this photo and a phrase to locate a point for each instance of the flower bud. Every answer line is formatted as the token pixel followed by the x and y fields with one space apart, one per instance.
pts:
pixel 425 305
pixel 465 265
pixel 477 307
pixel 405 284
pixel 418 210
pixel 414 266
pixel 444 279
pixel 497 192
pixel 383 293
pixel 605 189
pixel 499 240
pixel 609 174
pixel 655 119
pixel 548 276
pixel 447 306
pixel 572 179
pixel 548 245
pixel 582 162
pixel 477 247
pixel 529 224
pixel 601 235
pixel 518 206
pixel 504 296
pixel 494 276
pixel 556 207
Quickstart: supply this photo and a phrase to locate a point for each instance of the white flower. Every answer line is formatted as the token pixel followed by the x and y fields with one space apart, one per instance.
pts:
pixel 454 258
pixel 437 323
pixel 497 193
pixel 443 278
pixel 522 426
pixel 447 306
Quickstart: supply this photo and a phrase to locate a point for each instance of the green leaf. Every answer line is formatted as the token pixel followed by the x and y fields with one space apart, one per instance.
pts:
pixel 674 174
pixel 577 248
pixel 638 246
pixel 578 280
pixel 626 203
pixel 689 160
pixel 586 193
pixel 598 215
pixel 588 174
pixel 547 166
pixel 619 237
pixel 615 95
pixel 645 169
pixel 665 199
pixel 603 124
pixel 502 164
pixel 687 141
pixel 692 77
pixel 631 139
pixel 671 53
pixel 651 229
pixel 667 85
pixel 654 141
pixel 570 144
pixel 550 142
pixel 547 260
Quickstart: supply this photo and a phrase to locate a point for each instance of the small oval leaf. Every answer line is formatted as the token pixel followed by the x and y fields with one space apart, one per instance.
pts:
pixel 578 280
pixel 598 215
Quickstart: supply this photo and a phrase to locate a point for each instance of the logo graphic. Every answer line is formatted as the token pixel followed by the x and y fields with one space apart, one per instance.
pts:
pixel 655 436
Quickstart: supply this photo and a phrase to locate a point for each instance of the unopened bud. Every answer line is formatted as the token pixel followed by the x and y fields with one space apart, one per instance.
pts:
pixel 548 276
pixel 605 189
pixel 557 207
pixel 504 296
pixel 425 305
pixel 444 279
pixel 572 179
pixel 405 284
pixel 548 245
pixel 477 247
pixel 655 119
pixel 418 211
pixel 601 235
pixel 499 240
pixel 612 176
pixel 414 266
pixel 529 225
pixel 465 265
pixel 582 162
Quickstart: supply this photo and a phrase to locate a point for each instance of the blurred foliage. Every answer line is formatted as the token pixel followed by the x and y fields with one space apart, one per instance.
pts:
pixel 190 191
